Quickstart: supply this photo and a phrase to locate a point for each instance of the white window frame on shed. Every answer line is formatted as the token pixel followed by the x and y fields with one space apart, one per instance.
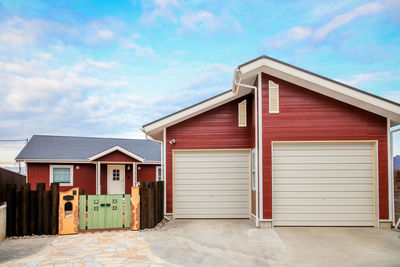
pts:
pixel 158 173
pixel 242 114
pixel 71 174
pixel 271 87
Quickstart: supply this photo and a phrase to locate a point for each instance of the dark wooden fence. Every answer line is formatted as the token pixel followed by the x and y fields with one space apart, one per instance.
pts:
pixel 9 177
pixel 32 212
pixel 151 203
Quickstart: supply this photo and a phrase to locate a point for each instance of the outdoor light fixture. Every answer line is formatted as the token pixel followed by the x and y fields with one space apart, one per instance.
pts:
pixel 129 167
pixel 139 168
pixel 172 141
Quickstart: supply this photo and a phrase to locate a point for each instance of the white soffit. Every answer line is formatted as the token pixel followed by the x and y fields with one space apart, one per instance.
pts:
pixel 116 148
pixel 323 86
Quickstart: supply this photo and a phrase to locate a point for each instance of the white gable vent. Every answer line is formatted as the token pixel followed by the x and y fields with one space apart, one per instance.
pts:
pixel 242 108
pixel 273 97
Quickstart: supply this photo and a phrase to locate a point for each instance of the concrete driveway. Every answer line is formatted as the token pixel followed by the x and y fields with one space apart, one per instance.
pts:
pixel 239 243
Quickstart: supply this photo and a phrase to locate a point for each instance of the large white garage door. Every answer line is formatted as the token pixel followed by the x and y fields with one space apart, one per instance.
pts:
pixel 323 184
pixel 211 184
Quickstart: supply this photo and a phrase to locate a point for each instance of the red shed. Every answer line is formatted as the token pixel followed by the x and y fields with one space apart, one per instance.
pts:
pixel 283 147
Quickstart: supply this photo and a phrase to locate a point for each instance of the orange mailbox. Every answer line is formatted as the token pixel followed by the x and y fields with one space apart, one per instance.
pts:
pixel 68 212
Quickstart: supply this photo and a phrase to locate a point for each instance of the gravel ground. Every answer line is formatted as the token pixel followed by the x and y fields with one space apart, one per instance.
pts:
pixel 21 247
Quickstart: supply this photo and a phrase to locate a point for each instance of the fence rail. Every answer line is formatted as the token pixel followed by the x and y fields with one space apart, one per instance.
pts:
pixel 151 203
pixel 32 212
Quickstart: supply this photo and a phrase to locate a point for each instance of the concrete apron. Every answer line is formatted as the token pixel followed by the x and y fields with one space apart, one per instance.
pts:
pixel 238 243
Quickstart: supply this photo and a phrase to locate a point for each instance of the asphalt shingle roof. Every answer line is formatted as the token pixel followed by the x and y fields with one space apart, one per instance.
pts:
pixel 81 148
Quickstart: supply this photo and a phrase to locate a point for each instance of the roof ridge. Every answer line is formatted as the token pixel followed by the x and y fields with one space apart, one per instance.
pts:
pixel 91 137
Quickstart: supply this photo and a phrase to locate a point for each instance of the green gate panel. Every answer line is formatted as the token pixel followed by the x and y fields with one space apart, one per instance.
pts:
pixel 96 211
pixel 127 203
pixel 82 212
pixel 113 218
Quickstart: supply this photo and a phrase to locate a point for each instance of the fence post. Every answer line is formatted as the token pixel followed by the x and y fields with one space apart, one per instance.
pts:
pixel 55 189
pixel 46 212
pixel 11 209
pixel 151 206
pixel 18 213
pixel 33 211
pixel 25 188
pixel 40 187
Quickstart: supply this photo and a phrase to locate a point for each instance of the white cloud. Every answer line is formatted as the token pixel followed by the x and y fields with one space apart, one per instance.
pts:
pixel 319 34
pixel 140 50
pixel 364 10
pixel 156 9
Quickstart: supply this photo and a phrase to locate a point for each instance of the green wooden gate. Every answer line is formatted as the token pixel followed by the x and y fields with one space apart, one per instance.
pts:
pixel 104 211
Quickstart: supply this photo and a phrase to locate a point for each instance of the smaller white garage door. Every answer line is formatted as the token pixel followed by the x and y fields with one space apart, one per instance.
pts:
pixel 323 184
pixel 211 184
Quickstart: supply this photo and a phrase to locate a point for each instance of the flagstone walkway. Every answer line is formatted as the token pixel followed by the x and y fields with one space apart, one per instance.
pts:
pixel 114 248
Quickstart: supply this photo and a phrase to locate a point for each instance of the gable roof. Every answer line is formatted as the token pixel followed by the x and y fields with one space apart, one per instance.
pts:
pixel 246 73
pixel 72 148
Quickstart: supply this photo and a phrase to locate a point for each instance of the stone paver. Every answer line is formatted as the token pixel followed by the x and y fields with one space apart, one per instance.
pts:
pixel 108 249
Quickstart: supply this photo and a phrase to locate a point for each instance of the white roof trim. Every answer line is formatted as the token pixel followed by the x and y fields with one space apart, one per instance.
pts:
pixel 154 129
pixel 115 148
pixel 53 160
pixel 323 86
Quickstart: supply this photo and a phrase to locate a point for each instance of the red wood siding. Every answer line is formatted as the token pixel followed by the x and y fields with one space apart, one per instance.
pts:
pixel 308 116
pixel 214 129
pixel 147 173
pixel 84 177
pixel 117 156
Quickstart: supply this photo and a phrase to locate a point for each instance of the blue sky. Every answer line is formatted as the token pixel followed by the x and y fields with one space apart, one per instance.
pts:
pixel 104 68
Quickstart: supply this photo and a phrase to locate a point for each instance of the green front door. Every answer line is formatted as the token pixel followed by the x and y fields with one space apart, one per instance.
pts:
pixel 104 211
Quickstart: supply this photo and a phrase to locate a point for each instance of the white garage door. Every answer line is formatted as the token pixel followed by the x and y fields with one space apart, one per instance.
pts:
pixel 211 184
pixel 323 184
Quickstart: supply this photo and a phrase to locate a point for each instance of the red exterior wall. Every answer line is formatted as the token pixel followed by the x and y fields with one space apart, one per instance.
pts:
pixel 117 156
pixel 84 177
pixel 308 116
pixel 147 173
pixel 214 129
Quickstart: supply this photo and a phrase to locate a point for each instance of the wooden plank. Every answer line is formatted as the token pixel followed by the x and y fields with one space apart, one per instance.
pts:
pixel 25 188
pixel 46 212
pixel 11 208
pixel 143 205
pixel 55 200
pixel 157 203
pixel 151 205
pixel 33 212
pixel 18 217
pixel 161 199
pixel 40 187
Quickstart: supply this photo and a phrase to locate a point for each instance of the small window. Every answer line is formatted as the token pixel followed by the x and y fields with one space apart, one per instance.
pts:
pixel 61 174
pixel 242 110
pixel 273 97
pixel 115 175
pixel 159 173
pixel 253 169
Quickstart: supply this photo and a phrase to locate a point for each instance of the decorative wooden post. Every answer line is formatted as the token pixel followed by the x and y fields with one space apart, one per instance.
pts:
pixel 135 209
pixel 68 212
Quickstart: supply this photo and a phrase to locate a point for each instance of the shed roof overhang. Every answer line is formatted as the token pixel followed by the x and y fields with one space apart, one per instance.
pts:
pixel 246 74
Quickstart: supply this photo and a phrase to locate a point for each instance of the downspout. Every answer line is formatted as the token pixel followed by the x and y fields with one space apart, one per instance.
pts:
pixel 392 173
pixel 235 88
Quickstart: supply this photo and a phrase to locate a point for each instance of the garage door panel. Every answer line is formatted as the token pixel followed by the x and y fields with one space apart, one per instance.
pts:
pixel 348 194
pixel 211 154
pixel 214 198
pixel 212 164
pixel 207 159
pixel 324 217
pixel 326 173
pixel 211 187
pixel 322 160
pixel 322 201
pixel 323 180
pixel 329 184
pixel 323 167
pixel 323 153
pixel 324 188
pixel 212 204
pixel 196 170
pixel 214 210
pixel 213 193
pixel 325 209
pixel 213 216
pixel 212 182
pixel 214 176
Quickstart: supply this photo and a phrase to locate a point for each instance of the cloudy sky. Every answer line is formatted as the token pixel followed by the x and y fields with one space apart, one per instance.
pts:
pixel 104 68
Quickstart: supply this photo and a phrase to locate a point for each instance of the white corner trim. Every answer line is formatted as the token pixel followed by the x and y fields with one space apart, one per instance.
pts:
pixel 164 165
pixel 116 148
pixel 260 144
pixel 71 174
pixel 390 173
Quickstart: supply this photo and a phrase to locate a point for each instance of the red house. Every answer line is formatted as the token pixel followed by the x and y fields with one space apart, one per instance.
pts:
pixel 97 165
pixel 283 147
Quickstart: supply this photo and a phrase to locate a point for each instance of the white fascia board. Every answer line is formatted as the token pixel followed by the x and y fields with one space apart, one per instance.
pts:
pixel 323 86
pixel 116 148
pixel 185 114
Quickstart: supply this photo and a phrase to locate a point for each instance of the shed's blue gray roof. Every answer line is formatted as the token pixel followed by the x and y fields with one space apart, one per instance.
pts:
pixel 81 148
